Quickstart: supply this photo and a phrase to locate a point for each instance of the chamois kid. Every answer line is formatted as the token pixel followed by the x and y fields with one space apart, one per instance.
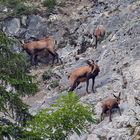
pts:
pixel 84 74
pixel 99 34
pixel 35 47
pixel 110 104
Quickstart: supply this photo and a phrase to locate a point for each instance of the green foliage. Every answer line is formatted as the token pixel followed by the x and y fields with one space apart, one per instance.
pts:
pixel 21 9
pixel 13 68
pixel 11 3
pixel 65 117
pixel 47 75
pixel 14 83
pixel 54 84
pixel 18 6
pixel 50 4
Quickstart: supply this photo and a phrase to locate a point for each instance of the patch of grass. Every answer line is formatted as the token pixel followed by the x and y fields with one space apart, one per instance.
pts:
pixel 18 7
pixel 50 4
pixel 11 3
pixel 54 84
pixel 21 9
pixel 47 75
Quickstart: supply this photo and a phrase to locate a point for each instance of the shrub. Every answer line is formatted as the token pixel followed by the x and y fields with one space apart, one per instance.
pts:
pixel 18 7
pixel 21 9
pixel 47 75
pixel 50 4
pixel 54 84
pixel 65 117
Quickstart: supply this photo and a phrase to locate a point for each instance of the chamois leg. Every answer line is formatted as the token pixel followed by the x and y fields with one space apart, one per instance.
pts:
pixel 53 55
pixel 58 59
pixel 93 81
pixel 32 59
pixel 110 113
pixel 36 60
pixel 75 84
pixel 102 115
pixel 96 42
pixel 119 110
pixel 104 110
pixel 87 82
pixel 53 59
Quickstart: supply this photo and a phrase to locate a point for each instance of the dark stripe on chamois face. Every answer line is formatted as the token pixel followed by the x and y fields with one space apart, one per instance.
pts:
pixel 92 67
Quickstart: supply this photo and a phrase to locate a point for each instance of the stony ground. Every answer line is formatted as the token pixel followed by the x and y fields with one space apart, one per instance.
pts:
pixel 118 56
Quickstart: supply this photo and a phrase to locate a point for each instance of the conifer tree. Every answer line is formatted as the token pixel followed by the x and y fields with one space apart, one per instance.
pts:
pixel 14 84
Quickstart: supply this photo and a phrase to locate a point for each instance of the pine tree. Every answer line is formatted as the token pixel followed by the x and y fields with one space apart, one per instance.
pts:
pixel 14 84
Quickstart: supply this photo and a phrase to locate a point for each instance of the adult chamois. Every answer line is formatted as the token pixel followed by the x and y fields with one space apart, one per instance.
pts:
pixel 35 48
pixel 84 74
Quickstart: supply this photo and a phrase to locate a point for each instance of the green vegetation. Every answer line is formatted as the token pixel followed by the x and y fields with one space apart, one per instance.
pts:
pixel 65 117
pixel 14 84
pixel 18 7
pixel 11 3
pixel 47 75
pixel 50 4
pixel 54 84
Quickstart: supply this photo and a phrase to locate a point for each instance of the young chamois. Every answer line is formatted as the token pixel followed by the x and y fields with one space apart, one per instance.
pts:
pixel 110 104
pixel 84 74
pixel 99 34
pixel 35 47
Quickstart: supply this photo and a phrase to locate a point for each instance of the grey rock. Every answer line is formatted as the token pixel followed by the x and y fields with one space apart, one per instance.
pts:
pixel 11 27
pixel 24 20
pixel 118 55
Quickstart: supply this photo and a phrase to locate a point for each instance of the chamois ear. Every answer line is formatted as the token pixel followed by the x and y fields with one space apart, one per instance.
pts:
pixel 92 61
pixel 89 63
pixel 22 41
pixel 115 96
pixel 119 94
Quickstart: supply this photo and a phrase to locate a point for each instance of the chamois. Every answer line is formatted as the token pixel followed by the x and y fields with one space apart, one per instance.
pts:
pixel 109 104
pixel 84 74
pixel 99 34
pixel 35 47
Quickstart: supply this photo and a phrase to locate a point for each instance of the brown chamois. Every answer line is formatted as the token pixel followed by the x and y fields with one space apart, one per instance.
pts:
pixel 109 104
pixel 35 47
pixel 84 74
pixel 99 34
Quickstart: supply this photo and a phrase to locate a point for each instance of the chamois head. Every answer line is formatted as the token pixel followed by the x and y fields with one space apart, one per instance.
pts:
pixel 90 63
pixel 118 98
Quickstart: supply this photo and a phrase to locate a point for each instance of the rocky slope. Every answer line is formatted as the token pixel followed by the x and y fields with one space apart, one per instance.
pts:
pixel 118 57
